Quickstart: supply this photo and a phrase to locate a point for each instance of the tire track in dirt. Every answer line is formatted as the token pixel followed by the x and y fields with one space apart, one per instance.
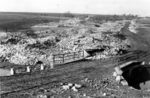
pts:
pixel 30 82
pixel 27 84
pixel 63 73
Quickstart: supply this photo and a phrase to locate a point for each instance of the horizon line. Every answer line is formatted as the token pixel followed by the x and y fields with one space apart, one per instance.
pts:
pixel 66 12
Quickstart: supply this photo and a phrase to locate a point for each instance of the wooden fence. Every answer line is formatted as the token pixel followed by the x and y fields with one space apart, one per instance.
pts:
pixel 68 57
pixel 57 59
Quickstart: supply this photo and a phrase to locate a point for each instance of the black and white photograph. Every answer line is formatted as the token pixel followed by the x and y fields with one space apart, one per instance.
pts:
pixel 74 48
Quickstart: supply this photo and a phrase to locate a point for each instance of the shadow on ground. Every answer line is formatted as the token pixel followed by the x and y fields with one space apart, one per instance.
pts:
pixel 138 77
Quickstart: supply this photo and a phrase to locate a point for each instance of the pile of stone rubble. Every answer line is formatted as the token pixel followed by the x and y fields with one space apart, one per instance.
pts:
pixel 119 78
pixel 70 22
pixel 133 26
pixel 74 87
pixel 29 50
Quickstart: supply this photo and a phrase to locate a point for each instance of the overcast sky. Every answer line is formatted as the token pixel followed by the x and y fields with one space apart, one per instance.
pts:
pixel 140 7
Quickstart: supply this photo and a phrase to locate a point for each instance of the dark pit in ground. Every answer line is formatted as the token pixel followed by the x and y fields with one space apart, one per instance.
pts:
pixel 138 76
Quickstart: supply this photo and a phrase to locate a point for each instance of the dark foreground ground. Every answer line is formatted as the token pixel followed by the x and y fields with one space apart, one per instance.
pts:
pixel 95 77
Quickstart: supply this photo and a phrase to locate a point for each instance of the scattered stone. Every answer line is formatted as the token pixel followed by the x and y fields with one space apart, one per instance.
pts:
pixel 84 94
pixel 42 90
pixel 41 96
pixel 65 87
pixel 86 80
pixel 69 97
pixel 115 74
pixel 74 89
pixel 104 94
pixel 124 82
pixel 78 85
pixel 132 88
pixel 118 71
pixel 70 84
pixel 118 78
pixel 143 63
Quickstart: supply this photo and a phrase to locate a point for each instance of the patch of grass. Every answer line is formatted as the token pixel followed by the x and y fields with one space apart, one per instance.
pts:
pixel 120 36
pixel 30 33
pixel 100 18
pixel 20 21
pixel 144 21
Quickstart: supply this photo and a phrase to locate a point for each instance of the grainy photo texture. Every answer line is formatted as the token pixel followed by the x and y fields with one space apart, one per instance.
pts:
pixel 74 49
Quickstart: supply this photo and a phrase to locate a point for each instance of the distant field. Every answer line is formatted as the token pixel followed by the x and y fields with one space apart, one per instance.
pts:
pixel 22 21
pixel 145 25
pixel 144 21
pixel 144 29
pixel 14 21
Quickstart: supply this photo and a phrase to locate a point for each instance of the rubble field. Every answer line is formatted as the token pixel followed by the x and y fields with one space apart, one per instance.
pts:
pixel 62 37
pixel 108 43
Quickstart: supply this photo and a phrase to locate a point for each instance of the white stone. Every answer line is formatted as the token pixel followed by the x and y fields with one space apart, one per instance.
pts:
pixel 143 63
pixel 124 82
pixel 70 84
pixel 41 96
pixel 84 94
pixel 104 94
pixel 77 85
pixel 74 89
pixel 118 71
pixel 69 97
pixel 115 74
pixel 65 87
pixel 118 78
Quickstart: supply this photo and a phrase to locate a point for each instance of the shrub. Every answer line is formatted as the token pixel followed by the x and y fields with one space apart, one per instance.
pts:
pixel 31 33
pixel 120 36
pixel 49 43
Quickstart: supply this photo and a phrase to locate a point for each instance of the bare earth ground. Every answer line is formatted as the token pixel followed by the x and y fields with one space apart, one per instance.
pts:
pixel 94 76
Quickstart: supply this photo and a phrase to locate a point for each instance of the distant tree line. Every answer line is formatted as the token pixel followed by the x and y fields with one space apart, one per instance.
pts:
pixel 65 14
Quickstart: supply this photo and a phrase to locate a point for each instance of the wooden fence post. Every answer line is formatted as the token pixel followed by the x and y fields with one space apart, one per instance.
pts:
pixel 63 58
pixel 42 67
pixel 12 72
pixel 52 62
pixel 52 65
pixel 53 56
pixel 28 69
pixel 83 54
pixel 74 55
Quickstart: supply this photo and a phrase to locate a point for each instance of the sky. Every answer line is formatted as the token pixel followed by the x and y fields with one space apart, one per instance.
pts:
pixel 137 7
